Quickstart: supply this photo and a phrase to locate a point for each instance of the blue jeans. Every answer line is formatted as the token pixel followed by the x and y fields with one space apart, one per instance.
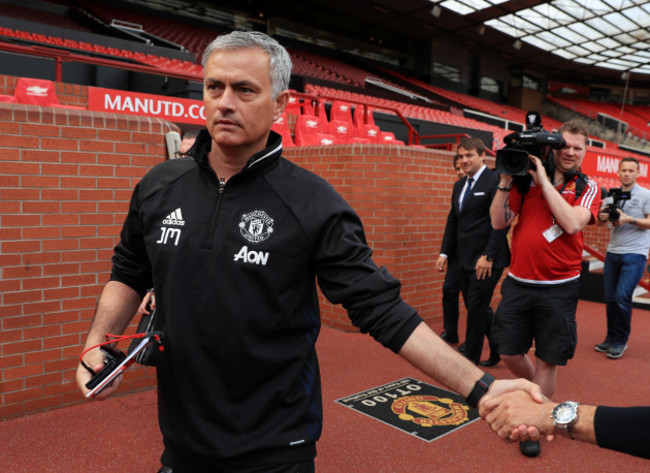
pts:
pixel 622 274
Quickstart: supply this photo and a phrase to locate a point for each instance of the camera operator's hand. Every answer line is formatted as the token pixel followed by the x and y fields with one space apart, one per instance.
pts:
pixel 505 180
pixel 483 268
pixel 603 215
pixel 537 171
pixel 623 218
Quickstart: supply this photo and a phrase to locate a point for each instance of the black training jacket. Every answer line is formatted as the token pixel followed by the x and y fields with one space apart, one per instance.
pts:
pixel 234 269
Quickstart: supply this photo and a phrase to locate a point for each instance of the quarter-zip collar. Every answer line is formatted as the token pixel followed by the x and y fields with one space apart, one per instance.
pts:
pixel 256 165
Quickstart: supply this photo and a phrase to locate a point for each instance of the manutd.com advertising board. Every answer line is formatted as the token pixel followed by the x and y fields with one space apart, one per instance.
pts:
pixel 172 109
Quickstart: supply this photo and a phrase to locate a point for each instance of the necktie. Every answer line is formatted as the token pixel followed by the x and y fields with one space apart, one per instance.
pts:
pixel 468 189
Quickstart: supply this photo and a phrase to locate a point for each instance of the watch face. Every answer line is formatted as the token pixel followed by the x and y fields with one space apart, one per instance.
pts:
pixel 564 413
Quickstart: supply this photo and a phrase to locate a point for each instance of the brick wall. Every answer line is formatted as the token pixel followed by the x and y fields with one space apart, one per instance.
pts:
pixel 65 181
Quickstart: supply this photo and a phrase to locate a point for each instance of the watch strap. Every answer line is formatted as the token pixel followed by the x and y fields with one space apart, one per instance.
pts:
pixel 480 388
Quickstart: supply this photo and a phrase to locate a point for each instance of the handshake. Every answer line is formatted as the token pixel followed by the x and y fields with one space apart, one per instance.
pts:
pixel 517 410
pixel 523 413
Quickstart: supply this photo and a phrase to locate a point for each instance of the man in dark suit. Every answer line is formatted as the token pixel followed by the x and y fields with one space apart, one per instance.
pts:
pixel 481 252
pixel 451 288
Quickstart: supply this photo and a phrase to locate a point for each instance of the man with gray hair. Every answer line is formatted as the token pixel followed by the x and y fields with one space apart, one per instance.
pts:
pixel 233 239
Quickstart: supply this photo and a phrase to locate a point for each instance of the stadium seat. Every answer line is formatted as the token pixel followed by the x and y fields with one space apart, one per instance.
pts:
pixel 293 106
pixel 342 131
pixel 361 118
pixel 388 138
pixel 316 108
pixel 370 132
pixel 323 139
pixel 36 92
pixel 307 126
pixel 308 132
pixel 281 126
pixel 341 111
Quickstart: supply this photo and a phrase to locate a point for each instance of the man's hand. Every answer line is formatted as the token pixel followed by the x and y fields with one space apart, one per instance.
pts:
pixel 441 264
pixel 622 218
pixel 603 215
pixel 483 268
pixel 95 360
pixel 505 180
pixel 502 386
pixel 143 309
pixel 537 171
pixel 495 395
pixel 515 415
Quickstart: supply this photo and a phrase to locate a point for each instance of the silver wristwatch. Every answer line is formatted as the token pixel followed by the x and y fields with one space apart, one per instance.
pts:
pixel 564 416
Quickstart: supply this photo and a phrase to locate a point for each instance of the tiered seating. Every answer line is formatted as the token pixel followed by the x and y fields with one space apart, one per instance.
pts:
pixel 641 120
pixel 413 111
pixel 322 67
pixel 163 63
pixel 194 37
pixel 48 18
pixel 506 112
pixel 303 68
pixel 637 117
pixel 313 127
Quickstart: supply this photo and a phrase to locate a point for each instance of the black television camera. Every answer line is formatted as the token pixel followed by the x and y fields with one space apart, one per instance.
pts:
pixel 513 160
pixel 615 196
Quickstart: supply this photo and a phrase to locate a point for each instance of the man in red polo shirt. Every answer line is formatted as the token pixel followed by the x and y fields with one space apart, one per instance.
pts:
pixel 540 294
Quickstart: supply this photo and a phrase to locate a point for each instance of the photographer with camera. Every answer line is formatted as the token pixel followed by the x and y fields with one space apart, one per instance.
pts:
pixel 540 294
pixel 627 210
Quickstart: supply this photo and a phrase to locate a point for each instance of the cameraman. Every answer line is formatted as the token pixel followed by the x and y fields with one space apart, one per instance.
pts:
pixel 540 294
pixel 626 256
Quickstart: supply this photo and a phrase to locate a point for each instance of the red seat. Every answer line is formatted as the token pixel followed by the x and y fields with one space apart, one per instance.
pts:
pixel 293 106
pixel 316 108
pixel 281 126
pixel 323 139
pixel 370 132
pixel 341 111
pixel 307 126
pixel 39 92
pixel 363 115
pixel 388 138
pixel 7 98
pixel 308 132
pixel 342 131
pixel 36 92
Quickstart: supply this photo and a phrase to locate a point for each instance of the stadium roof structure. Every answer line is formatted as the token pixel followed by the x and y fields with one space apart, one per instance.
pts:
pixel 582 39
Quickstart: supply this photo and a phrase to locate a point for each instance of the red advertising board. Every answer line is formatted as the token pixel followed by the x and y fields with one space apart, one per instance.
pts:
pixel 602 166
pixel 172 109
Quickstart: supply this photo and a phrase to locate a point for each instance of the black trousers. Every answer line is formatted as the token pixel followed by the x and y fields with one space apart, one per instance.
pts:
pixel 480 317
pixel 450 292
